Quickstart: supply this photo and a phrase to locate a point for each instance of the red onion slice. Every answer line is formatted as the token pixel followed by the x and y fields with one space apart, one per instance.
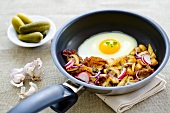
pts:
pixel 69 64
pixel 98 74
pixel 137 56
pixel 146 59
pixel 84 76
pixel 138 76
pixel 97 79
pixel 122 75
pixel 78 66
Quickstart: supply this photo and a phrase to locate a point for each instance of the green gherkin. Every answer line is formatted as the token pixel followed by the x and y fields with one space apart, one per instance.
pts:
pixel 34 37
pixel 39 26
pixel 17 22
pixel 24 18
pixel 44 33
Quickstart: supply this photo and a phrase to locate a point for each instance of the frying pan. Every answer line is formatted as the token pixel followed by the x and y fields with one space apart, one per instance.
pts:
pixel 61 97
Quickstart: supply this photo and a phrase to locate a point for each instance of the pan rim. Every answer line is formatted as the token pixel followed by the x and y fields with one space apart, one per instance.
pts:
pixel 153 23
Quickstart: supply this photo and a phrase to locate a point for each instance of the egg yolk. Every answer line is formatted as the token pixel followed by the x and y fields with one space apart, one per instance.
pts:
pixel 109 46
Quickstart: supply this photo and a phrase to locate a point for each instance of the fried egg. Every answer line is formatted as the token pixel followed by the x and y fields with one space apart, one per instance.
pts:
pixel 107 45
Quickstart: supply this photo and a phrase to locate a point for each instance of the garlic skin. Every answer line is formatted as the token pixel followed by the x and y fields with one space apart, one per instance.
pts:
pixel 34 69
pixel 32 90
pixel 17 77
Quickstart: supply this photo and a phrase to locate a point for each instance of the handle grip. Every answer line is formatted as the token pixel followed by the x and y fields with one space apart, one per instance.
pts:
pixel 59 97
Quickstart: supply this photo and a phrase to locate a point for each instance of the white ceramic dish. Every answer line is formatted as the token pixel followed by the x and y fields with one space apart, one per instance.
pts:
pixel 13 36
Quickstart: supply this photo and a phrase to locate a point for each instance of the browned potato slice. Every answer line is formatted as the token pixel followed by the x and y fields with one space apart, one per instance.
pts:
pixel 138 66
pixel 142 47
pixel 110 82
pixel 151 52
pixel 133 52
pixel 123 81
pixel 154 62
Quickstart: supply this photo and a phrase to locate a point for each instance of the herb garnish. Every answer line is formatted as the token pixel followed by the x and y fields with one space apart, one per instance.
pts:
pixel 111 44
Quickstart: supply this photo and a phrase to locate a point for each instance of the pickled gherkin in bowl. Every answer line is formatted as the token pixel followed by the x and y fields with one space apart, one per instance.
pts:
pixel 30 31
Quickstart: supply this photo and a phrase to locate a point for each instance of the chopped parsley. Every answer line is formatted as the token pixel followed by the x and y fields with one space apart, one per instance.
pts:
pixel 111 44
pixel 114 43
pixel 107 43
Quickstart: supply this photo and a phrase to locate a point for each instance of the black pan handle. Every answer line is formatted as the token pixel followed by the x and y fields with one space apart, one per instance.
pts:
pixel 59 97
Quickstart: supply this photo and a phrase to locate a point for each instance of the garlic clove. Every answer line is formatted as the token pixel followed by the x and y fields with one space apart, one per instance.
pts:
pixel 15 71
pixel 33 69
pixel 17 77
pixel 28 69
pixel 17 85
pixel 32 90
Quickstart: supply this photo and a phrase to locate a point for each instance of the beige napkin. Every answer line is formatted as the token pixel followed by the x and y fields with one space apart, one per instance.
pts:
pixel 121 103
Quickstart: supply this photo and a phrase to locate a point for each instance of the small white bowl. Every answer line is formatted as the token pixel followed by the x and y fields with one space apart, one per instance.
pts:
pixel 13 36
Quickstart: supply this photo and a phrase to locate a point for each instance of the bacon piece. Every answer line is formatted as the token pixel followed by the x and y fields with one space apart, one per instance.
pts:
pixel 95 62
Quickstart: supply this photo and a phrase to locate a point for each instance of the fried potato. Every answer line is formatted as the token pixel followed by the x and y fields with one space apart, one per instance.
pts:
pixel 151 52
pixel 123 81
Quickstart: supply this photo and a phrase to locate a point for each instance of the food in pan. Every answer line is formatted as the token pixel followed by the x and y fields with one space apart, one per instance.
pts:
pixel 107 45
pixel 127 69
pixel 28 30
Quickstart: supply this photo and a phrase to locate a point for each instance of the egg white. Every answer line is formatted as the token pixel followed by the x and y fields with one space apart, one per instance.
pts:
pixel 90 47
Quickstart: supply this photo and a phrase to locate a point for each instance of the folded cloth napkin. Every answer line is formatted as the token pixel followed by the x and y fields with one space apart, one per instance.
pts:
pixel 120 103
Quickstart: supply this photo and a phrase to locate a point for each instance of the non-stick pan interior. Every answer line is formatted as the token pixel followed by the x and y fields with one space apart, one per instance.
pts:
pixel 134 25
pixel 144 30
